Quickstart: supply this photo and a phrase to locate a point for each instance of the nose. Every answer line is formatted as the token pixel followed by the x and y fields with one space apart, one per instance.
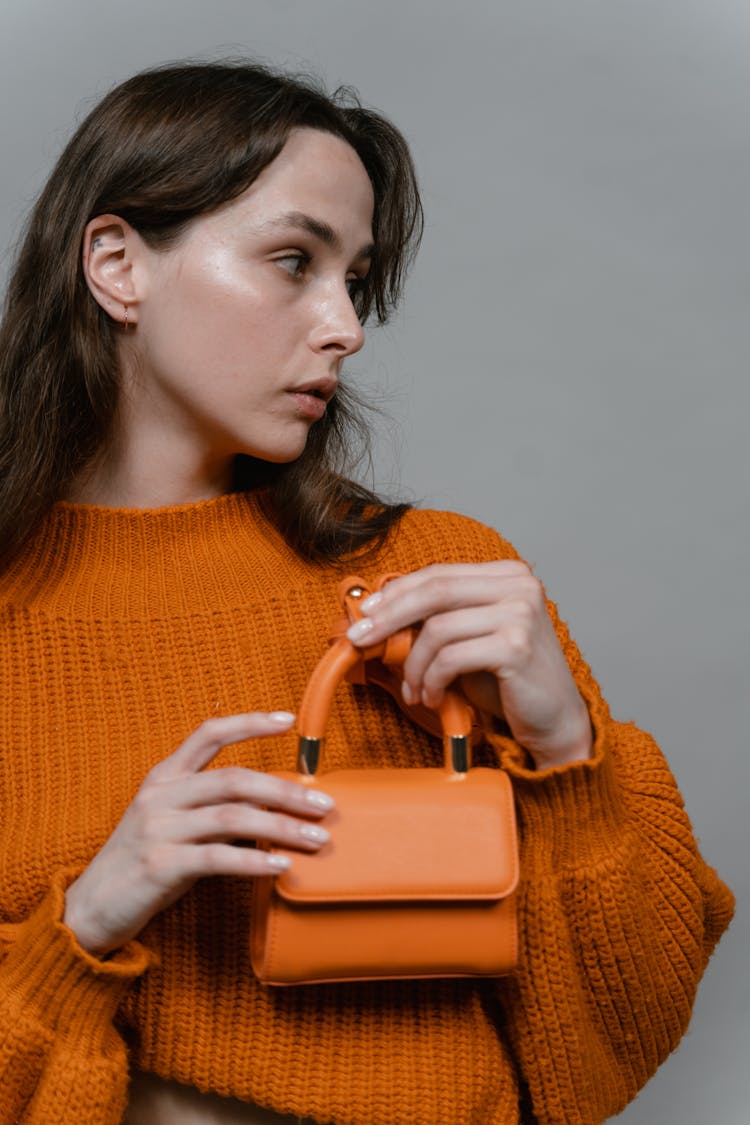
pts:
pixel 337 328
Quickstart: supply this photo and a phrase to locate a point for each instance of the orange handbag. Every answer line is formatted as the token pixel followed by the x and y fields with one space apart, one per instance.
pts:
pixel 419 876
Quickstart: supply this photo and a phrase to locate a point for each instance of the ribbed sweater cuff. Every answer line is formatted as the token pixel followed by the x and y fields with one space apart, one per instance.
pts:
pixel 48 974
pixel 568 815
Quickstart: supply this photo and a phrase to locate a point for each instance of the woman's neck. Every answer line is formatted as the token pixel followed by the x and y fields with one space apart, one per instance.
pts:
pixel 129 484
pixel 152 494
pixel 147 463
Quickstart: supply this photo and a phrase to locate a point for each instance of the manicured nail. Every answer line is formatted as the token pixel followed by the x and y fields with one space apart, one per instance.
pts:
pixel 408 693
pixel 359 630
pixel 312 832
pixel 319 800
pixel 283 718
pixel 279 862
pixel 371 602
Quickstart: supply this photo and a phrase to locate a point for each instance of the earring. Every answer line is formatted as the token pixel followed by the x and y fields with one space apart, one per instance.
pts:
pixel 125 322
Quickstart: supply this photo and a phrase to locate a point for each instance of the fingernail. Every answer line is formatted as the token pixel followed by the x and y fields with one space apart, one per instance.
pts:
pixel 408 693
pixel 371 602
pixel 319 800
pixel 312 832
pixel 359 630
pixel 279 862
pixel 282 717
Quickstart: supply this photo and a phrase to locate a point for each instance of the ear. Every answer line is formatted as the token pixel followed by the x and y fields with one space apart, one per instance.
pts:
pixel 110 251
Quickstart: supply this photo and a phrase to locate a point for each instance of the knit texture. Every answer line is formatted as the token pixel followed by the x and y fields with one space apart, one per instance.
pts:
pixel 120 632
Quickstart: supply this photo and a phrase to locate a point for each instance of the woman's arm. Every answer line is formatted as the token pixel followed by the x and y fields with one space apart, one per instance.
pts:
pixel 61 1058
pixel 618 911
pixel 619 915
pixel 65 969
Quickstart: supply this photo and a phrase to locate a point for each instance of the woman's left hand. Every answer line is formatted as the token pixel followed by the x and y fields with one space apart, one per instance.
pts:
pixel 488 624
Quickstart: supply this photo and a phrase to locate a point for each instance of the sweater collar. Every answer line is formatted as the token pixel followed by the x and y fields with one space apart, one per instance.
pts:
pixel 85 558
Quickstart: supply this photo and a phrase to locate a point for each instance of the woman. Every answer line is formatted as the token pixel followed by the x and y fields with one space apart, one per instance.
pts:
pixel 176 515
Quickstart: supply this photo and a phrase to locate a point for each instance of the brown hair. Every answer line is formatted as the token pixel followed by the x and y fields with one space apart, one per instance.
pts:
pixel 162 148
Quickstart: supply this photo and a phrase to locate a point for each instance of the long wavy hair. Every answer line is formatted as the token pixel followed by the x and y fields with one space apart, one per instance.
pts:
pixel 166 146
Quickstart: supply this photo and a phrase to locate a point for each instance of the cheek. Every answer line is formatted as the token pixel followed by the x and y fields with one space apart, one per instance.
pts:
pixel 214 325
pixel 217 313
pixel 224 295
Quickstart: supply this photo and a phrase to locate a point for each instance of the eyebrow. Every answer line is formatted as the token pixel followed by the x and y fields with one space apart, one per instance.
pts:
pixel 319 229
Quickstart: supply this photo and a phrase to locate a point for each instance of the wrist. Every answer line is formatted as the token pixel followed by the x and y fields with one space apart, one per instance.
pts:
pixel 575 744
pixel 74 919
pixel 52 982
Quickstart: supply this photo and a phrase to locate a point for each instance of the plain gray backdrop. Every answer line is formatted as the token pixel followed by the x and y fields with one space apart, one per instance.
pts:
pixel 570 364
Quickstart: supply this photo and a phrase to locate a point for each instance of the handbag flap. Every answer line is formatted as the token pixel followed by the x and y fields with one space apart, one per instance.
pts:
pixel 409 835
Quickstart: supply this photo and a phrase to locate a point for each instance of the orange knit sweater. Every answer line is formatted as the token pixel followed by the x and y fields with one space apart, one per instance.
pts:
pixel 120 631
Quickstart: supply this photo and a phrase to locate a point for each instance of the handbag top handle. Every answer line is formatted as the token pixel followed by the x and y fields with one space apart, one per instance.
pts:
pixel 457 717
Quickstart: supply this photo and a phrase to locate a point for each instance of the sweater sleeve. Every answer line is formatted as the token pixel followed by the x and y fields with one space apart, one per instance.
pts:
pixel 619 915
pixel 61 1058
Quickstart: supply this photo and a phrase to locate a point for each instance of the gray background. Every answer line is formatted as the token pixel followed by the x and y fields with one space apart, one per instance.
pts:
pixel 571 361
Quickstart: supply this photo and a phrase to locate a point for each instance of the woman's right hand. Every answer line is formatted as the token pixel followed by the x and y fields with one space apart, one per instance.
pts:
pixel 181 825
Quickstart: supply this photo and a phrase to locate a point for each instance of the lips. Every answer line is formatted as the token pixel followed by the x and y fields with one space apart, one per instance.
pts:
pixel 312 398
pixel 323 388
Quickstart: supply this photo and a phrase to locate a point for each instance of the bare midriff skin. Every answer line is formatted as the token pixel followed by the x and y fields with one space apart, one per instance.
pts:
pixel 154 1101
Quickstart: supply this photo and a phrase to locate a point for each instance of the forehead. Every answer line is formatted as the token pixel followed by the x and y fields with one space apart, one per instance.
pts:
pixel 318 174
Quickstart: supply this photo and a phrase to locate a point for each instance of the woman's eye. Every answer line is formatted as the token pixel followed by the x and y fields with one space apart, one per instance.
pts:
pixel 293 264
pixel 296 265
pixel 355 285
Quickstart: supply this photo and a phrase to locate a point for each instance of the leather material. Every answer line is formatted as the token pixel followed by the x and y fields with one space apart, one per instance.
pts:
pixel 414 818
pixel 419 876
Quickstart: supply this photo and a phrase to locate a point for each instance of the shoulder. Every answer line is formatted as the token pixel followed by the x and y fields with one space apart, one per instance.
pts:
pixel 425 536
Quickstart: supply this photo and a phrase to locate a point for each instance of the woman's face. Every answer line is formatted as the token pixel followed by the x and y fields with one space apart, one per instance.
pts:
pixel 243 326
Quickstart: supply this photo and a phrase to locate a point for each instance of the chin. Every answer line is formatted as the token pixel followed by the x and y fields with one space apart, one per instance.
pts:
pixel 276 457
pixel 281 454
pixel 270 458
pixel 283 444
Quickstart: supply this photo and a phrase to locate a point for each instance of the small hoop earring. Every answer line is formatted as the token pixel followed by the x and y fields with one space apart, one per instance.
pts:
pixel 125 322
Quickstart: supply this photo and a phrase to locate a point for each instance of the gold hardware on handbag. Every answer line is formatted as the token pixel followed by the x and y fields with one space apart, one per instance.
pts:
pixel 419 876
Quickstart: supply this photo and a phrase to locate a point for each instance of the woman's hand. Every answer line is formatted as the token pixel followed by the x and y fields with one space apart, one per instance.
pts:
pixel 181 826
pixel 488 624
